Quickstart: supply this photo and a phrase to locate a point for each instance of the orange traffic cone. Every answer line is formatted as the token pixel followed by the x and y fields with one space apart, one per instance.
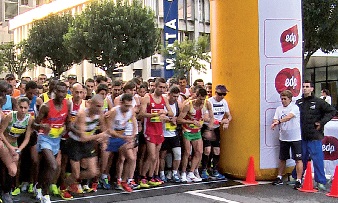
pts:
pixel 250 174
pixel 334 186
pixel 308 184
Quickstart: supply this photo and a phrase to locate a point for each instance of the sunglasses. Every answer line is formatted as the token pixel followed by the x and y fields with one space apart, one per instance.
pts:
pixel 221 94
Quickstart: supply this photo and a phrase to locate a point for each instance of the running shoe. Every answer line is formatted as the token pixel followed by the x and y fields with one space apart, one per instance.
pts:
pixel 118 185
pixel 217 175
pixel 31 188
pixel 193 178
pixel 105 183
pixel 86 189
pixel 144 183
pixel 321 187
pixel 197 174
pixel 169 175
pixel 133 184
pixel 154 182
pixel 163 178
pixel 75 188
pixel 126 186
pixel 64 194
pixel 204 174
pixel 278 181
pixel 159 180
pixel 94 186
pixel 7 198
pixel 54 189
pixel 176 178
pixel 24 186
pixel 297 185
pixel 16 191
pixel 45 199
pixel 37 192
pixel 184 177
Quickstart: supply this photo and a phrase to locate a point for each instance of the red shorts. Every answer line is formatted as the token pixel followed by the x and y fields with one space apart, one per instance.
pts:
pixel 156 139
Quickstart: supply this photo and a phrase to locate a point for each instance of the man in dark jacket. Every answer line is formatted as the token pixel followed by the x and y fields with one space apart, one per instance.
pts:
pixel 314 114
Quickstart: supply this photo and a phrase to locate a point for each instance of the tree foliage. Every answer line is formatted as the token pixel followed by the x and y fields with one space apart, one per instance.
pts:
pixel 110 34
pixel 189 54
pixel 13 58
pixel 320 21
pixel 45 44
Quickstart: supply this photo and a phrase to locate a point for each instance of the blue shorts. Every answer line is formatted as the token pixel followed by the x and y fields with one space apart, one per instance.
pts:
pixel 46 142
pixel 115 144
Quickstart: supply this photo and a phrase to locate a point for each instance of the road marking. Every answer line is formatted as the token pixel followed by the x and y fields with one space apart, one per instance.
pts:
pixel 231 187
pixel 200 194
pixel 141 190
pixel 211 197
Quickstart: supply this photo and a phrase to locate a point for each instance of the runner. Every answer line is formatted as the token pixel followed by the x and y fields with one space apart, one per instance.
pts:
pixel 152 109
pixel 50 123
pixel 171 137
pixel 17 124
pixel 81 146
pixel 222 117
pixel 193 114
pixel 123 129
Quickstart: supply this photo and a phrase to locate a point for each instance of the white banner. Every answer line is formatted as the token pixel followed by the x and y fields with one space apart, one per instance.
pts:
pixel 280 39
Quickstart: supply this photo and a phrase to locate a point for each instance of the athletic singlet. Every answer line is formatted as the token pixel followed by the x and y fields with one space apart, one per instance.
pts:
pixel 153 125
pixel 169 128
pixel 186 93
pixel 123 124
pixel 17 127
pixel 56 119
pixel 110 99
pixel 8 106
pixel 105 106
pixel 90 125
pixel 32 110
pixel 194 114
pixel 73 113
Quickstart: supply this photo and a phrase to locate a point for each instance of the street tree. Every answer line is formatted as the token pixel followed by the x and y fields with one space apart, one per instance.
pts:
pixel 320 22
pixel 110 34
pixel 13 58
pixel 188 54
pixel 45 44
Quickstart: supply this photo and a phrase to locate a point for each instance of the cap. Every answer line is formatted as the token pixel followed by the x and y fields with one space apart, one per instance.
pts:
pixel 222 88
pixel 72 76
pixel 10 76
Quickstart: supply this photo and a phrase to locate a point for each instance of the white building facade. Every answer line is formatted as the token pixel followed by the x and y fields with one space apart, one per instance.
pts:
pixel 194 20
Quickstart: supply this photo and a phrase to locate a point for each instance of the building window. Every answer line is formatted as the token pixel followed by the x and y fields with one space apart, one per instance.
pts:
pixel 190 9
pixel 181 10
pixel 24 2
pixel 11 9
pixel 201 10
pixel 207 11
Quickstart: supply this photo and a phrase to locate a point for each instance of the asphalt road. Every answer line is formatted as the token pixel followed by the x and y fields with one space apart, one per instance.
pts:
pixel 214 191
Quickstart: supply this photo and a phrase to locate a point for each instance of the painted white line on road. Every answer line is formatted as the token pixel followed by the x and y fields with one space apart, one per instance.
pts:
pixel 230 187
pixel 141 190
pixel 211 197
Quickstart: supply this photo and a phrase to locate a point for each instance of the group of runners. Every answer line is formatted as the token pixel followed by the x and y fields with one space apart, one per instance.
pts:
pixel 68 137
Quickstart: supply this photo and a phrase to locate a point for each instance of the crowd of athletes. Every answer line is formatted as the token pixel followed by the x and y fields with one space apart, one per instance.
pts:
pixel 62 137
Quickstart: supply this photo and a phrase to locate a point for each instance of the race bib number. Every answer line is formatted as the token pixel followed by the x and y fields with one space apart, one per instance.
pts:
pixel 56 130
pixel 170 127
pixel 155 119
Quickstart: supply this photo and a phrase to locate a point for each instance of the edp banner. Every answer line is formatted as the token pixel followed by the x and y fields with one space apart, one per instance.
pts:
pixel 280 49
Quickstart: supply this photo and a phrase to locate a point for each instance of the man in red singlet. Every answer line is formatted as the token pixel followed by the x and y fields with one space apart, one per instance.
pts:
pixel 51 123
pixel 152 109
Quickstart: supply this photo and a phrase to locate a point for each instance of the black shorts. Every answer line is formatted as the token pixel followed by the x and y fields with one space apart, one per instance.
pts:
pixel 214 143
pixel 63 146
pixel 80 150
pixel 171 142
pixel 296 150
pixel 141 139
pixel 33 139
